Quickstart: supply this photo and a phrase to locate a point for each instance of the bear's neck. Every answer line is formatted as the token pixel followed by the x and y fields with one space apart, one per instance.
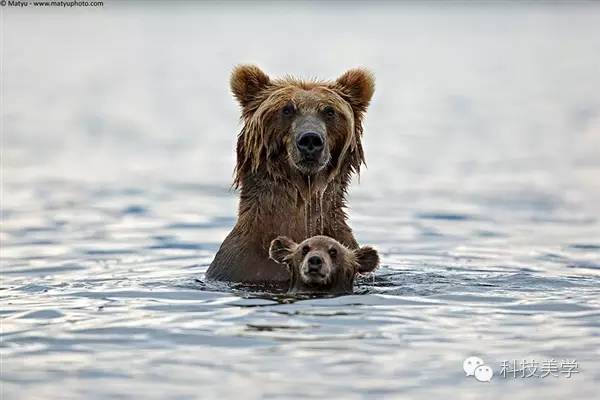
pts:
pixel 300 207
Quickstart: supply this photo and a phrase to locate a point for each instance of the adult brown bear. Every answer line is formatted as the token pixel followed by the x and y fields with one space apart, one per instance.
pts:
pixel 299 146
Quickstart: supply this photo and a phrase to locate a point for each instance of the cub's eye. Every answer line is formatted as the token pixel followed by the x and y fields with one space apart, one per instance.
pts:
pixel 288 110
pixel 332 252
pixel 305 250
pixel 329 112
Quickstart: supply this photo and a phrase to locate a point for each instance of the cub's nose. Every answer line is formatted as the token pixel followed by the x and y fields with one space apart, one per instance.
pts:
pixel 314 264
pixel 310 144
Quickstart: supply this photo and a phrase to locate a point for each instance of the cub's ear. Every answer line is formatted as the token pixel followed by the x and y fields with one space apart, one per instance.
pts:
pixel 357 87
pixel 281 247
pixel 246 82
pixel 367 259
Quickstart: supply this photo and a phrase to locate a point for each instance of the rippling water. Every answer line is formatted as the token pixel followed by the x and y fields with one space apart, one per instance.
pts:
pixel 482 194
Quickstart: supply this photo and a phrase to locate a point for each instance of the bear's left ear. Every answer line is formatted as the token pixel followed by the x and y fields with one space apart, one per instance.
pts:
pixel 367 258
pixel 357 87
pixel 246 82
pixel 280 248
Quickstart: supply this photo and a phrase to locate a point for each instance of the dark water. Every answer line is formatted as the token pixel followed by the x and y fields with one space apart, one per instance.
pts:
pixel 482 194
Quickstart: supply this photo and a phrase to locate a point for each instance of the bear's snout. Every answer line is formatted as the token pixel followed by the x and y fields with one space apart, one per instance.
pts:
pixel 314 264
pixel 309 151
pixel 310 145
pixel 315 269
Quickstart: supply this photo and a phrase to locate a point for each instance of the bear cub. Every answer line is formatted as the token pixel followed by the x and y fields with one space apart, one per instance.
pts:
pixel 322 265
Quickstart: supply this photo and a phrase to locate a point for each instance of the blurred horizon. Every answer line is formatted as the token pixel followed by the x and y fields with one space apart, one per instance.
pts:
pixel 164 86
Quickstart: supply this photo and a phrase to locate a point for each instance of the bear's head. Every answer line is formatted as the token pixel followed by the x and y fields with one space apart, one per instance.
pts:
pixel 321 264
pixel 294 127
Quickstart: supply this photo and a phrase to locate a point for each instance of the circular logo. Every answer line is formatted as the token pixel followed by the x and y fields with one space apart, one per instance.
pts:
pixel 470 364
pixel 3 3
pixel 484 373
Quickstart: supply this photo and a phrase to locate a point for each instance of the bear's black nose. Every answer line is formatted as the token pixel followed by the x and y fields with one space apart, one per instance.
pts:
pixel 310 144
pixel 314 263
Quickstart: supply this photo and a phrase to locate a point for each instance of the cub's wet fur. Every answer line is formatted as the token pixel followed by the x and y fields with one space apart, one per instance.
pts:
pixel 321 264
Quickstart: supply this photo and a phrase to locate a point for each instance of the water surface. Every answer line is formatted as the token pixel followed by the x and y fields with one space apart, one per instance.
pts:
pixel 482 194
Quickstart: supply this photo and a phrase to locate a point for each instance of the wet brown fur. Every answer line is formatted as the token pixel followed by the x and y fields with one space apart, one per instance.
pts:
pixel 276 198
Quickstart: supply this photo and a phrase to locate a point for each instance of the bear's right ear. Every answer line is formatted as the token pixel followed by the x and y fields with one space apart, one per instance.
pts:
pixel 281 248
pixel 246 82
pixel 357 86
pixel 367 259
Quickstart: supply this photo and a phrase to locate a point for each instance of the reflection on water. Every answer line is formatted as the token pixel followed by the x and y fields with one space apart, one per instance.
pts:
pixel 481 194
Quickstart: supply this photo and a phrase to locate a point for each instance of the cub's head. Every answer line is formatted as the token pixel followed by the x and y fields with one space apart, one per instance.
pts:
pixel 321 264
pixel 300 127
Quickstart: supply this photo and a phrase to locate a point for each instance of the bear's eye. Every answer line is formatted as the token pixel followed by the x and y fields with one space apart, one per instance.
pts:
pixel 288 110
pixel 329 112
pixel 332 253
pixel 305 250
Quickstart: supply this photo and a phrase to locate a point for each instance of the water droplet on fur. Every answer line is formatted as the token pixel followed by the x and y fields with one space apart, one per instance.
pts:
pixel 308 211
pixel 321 194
